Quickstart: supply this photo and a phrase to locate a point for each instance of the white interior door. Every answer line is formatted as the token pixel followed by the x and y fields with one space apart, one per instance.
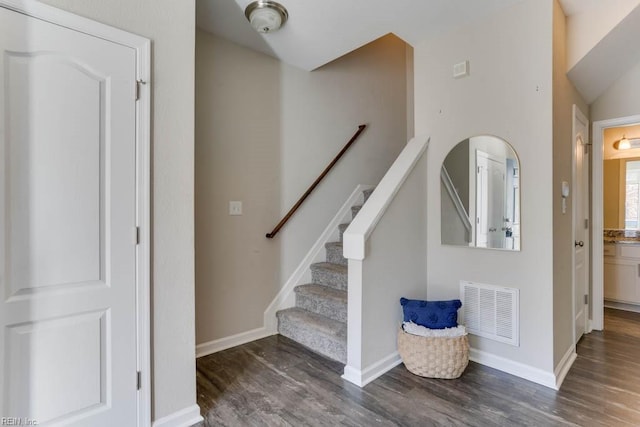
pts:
pixel 580 222
pixel 490 194
pixel 67 221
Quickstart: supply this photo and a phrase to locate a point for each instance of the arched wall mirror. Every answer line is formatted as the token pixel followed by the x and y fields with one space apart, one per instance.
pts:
pixel 480 195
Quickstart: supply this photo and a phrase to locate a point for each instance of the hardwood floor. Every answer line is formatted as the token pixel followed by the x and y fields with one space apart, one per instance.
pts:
pixel 276 382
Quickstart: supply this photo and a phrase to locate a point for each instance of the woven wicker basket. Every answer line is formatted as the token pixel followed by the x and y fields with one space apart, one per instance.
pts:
pixel 434 357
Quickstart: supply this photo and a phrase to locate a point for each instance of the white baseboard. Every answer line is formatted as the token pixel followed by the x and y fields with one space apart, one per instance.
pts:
pixel 538 376
pixel 184 418
pixel 214 346
pixel 302 273
pixel 363 377
pixel 622 306
pixel 565 364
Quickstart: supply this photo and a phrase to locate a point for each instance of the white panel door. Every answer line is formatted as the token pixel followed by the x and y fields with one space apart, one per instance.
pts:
pixel 490 195
pixel 67 220
pixel 580 223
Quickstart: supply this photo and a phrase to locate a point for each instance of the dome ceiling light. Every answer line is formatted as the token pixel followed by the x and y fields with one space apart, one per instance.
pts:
pixel 266 16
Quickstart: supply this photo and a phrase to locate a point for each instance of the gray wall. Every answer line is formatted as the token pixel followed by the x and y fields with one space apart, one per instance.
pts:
pixel 394 266
pixel 621 99
pixel 508 94
pixel 564 96
pixel 264 132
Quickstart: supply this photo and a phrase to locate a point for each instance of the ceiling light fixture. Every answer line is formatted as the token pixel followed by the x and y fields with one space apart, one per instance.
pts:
pixel 266 16
pixel 626 144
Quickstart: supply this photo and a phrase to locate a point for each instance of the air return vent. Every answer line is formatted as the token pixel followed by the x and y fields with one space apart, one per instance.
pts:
pixel 491 311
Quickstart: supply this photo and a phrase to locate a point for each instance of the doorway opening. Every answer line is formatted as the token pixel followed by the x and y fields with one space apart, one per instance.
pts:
pixel 604 148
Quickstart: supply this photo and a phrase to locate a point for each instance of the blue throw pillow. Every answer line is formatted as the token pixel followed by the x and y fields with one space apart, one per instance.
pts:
pixel 431 314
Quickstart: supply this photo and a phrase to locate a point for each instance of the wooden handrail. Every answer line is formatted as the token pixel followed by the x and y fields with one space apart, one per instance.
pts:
pixel 315 183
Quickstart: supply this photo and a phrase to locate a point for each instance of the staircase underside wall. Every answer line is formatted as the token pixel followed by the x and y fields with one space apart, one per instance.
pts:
pixel 394 267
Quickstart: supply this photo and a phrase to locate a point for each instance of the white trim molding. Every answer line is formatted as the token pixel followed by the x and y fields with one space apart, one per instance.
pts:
pixel 220 344
pixel 362 377
pixel 186 417
pixel 74 22
pixel 622 306
pixel 564 366
pixel 536 375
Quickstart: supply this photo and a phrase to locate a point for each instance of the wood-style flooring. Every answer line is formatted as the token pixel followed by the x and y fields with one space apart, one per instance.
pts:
pixel 276 382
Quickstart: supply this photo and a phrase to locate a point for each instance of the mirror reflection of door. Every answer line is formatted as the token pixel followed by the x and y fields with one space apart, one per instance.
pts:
pixel 490 197
pixel 480 194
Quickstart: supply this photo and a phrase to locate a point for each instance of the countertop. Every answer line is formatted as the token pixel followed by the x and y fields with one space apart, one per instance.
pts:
pixel 627 237
pixel 622 241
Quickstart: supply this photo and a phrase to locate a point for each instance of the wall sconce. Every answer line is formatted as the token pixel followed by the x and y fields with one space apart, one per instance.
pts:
pixel 266 16
pixel 625 144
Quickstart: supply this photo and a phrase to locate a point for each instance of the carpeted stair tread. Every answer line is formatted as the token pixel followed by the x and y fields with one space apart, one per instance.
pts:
pixel 319 319
pixel 355 210
pixel 329 266
pixel 367 194
pixel 319 333
pixel 342 228
pixel 334 252
pixel 329 274
pixel 322 291
pixel 333 244
pixel 323 300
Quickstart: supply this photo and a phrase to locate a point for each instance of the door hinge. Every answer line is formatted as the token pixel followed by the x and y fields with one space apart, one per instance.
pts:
pixel 138 380
pixel 138 83
pixel 586 223
pixel 586 299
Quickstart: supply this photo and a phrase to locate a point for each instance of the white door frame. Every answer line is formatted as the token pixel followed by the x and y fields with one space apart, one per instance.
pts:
pixel 142 47
pixel 597 244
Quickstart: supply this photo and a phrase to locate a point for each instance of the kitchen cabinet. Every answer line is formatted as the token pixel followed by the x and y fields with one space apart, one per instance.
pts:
pixel 622 272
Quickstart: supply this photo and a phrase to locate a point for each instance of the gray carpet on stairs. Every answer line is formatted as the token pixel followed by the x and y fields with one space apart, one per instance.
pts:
pixel 342 228
pixel 334 253
pixel 319 333
pixel 319 319
pixel 323 300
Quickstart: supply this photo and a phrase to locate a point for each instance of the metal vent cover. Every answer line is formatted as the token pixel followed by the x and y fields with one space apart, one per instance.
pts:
pixel 491 311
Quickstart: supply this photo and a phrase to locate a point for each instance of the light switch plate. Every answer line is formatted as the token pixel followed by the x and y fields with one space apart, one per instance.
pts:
pixel 235 207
